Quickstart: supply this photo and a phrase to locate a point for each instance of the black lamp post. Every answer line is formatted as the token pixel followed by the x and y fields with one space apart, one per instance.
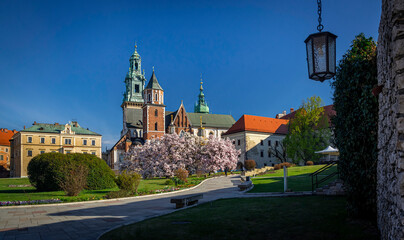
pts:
pixel 321 52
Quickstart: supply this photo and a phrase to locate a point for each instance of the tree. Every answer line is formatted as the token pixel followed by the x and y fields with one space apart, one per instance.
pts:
pixel 308 132
pixel 279 152
pixel 356 125
pixel 162 157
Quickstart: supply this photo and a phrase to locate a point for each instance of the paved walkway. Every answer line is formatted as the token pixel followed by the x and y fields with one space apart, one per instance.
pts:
pixel 87 220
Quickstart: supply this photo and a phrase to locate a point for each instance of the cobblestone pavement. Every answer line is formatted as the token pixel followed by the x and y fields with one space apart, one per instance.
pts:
pixel 87 220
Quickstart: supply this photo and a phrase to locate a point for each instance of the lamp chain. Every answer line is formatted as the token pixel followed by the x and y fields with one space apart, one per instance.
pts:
pixel 320 26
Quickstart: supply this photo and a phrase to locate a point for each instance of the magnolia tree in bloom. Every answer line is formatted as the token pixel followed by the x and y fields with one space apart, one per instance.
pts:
pixel 161 157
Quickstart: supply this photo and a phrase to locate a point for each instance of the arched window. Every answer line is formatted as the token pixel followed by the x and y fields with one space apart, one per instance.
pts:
pixel 136 66
pixel 149 97
pixel 156 112
pixel 156 97
pixel 155 126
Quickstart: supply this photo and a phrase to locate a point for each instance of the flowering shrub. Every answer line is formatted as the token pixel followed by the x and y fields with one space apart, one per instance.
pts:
pixel 11 203
pixel 309 163
pixel 280 165
pixel 161 157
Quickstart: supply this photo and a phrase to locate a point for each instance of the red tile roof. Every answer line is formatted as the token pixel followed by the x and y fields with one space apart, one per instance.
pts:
pixel 328 110
pixel 5 136
pixel 259 124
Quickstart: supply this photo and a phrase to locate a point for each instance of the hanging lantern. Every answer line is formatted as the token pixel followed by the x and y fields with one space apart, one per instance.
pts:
pixel 321 51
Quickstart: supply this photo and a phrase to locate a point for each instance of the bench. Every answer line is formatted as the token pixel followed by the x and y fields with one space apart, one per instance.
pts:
pixel 187 200
pixel 245 185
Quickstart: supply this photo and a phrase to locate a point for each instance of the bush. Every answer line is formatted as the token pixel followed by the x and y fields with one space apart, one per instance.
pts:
pixel 309 163
pixel 181 174
pixel 250 164
pixel 118 194
pixel 74 178
pixel 280 165
pixel 100 175
pixel 128 181
pixel 356 125
pixel 169 182
pixel 46 170
pixel 178 181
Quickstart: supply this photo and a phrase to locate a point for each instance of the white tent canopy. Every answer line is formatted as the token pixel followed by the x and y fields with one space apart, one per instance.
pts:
pixel 329 151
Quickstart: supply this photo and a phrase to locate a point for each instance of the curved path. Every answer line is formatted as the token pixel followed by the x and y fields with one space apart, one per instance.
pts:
pixel 87 220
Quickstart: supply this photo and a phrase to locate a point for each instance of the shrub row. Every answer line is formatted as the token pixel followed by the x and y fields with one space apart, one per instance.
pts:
pixel 45 171
pixel 280 165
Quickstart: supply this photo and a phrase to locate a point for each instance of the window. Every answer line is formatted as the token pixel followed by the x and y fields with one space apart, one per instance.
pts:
pixel 53 140
pixel 149 97
pixel 29 153
pixel 67 152
pixel 93 153
pixel 84 152
pixel 234 142
pixel 276 143
pixel 42 140
pixel 53 151
pixel 6 149
pixel 93 142
pixel 155 126
pixel 1 157
pixel 84 141
pixel 41 152
pixel 269 142
pixel 156 112
pixel 29 140
pixel 262 153
pixel 238 142
pixel 269 153
pixel 68 141
pixel 155 97
pixel 262 142
pixel 136 88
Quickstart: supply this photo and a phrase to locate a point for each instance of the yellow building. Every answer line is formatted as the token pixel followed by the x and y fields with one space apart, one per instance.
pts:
pixel 44 138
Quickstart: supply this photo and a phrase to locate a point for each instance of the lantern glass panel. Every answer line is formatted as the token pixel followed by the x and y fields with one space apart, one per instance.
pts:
pixel 309 47
pixel 320 54
pixel 331 52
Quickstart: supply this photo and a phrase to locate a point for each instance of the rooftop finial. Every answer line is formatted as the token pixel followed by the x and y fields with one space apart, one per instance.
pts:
pixel 135 46
pixel 153 68
pixel 201 79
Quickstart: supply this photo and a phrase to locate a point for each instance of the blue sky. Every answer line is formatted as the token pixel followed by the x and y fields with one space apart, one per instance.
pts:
pixel 64 60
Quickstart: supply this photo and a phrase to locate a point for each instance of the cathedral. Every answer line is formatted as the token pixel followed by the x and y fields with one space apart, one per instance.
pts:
pixel 145 116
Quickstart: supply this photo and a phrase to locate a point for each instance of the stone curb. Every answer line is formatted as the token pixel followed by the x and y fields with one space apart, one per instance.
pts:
pixel 106 200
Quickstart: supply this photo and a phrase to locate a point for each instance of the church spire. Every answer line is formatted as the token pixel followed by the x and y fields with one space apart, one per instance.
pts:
pixel 134 79
pixel 201 106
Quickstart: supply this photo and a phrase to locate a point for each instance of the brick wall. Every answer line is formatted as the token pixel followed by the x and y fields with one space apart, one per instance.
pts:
pixel 390 172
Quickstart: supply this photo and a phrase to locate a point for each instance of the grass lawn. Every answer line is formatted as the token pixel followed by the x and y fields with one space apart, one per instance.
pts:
pixel 313 217
pixel 298 179
pixel 8 193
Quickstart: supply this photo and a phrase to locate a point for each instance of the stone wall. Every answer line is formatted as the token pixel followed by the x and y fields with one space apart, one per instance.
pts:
pixel 390 172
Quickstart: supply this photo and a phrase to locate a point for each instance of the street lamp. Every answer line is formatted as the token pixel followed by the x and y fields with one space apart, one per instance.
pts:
pixel 321 51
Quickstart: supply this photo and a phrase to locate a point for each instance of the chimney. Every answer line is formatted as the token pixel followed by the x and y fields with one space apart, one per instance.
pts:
pixel 292 110
pixel 5 130
pixel 284 112
pixel 56 124
pixel 34 123
pixel 24 126
pixel 277 116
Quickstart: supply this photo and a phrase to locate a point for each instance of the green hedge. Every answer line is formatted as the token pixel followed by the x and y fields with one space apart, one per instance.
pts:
pixel 45 169
pixel 355 125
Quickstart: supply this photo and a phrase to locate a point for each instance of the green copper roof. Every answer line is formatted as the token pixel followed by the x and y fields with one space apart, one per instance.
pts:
pixel 201 106
pixel 153 83
pixel 211 120
pixel 52 128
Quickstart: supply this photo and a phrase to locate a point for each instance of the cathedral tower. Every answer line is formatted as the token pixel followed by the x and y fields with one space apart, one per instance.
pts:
pixel 133 97
pixel 201 106
pixel 153 110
